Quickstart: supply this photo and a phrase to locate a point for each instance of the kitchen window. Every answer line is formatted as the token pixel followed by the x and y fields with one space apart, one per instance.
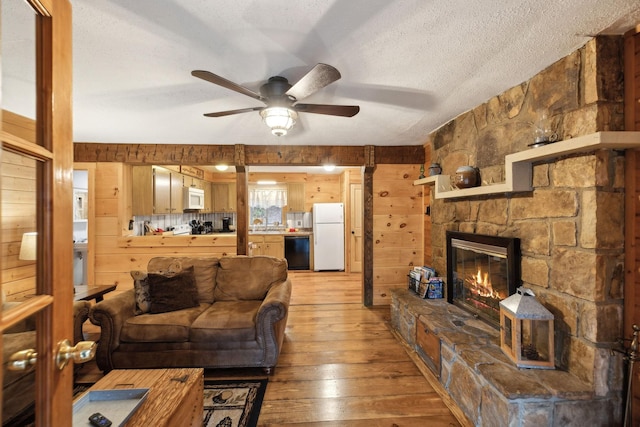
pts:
pixel 266 204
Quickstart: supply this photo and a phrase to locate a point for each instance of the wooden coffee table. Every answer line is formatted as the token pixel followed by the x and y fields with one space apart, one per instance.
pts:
pixel 175 395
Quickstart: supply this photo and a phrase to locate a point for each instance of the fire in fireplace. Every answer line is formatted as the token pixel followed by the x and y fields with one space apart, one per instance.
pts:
pixel 481 271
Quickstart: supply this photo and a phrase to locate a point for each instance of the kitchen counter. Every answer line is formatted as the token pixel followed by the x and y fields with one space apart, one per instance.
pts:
pixel 281 233
pixel 183 240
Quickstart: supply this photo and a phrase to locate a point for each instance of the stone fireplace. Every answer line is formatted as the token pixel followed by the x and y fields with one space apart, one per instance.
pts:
pixel 481 271
pixel 571 232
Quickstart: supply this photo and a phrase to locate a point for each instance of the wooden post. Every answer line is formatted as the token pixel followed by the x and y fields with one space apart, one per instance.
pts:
pixel 367 226
pixel 242 208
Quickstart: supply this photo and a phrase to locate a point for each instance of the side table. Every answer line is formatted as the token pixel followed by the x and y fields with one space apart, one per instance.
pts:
pixel 175 395
pixel 87 293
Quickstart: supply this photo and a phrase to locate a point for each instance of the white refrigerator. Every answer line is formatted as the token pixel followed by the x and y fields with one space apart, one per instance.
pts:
pixel 328 236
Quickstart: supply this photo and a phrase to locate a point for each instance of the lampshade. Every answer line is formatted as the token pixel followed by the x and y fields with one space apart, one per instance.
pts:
pixel 222 168
pixel 28 247
pixel 279 119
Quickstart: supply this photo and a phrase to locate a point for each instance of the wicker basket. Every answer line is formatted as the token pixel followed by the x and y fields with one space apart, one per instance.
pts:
pixel 419 287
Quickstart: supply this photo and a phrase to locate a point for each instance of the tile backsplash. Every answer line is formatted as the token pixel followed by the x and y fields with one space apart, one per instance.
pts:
pixel 166 221
pixel 294 220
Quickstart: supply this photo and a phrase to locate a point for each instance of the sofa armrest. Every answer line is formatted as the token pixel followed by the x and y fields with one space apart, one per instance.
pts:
pixel 271 320
pixel 80 315
pixel 111 314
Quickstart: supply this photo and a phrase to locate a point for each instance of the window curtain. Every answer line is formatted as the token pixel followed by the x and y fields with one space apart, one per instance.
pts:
pixel 268 197
pixel 266 205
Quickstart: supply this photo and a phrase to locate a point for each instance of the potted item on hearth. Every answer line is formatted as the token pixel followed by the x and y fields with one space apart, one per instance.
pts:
pixel 526 331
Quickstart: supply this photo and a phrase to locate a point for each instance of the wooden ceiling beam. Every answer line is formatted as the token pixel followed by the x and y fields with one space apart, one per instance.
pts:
pixel 254 155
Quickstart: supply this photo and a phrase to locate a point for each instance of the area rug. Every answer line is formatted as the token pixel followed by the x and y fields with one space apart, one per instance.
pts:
pixel 233 403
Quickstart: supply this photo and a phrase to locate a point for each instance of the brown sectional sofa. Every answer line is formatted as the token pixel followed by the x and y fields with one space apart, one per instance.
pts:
pixel 238 318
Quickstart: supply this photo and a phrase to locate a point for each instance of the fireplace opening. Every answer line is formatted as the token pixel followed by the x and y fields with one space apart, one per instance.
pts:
pixel 481 271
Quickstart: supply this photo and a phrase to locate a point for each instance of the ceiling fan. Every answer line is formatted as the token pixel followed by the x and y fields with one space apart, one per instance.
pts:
pixel 282 99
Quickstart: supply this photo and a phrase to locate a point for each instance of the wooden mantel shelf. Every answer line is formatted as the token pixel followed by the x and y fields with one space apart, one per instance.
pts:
pixel 519 169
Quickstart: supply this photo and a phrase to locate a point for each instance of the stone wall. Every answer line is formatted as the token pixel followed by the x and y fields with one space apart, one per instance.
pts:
pixel 571 225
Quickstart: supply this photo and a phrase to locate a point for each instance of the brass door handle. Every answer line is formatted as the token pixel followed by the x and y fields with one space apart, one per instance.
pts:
pixel 82 352
pixel 22 360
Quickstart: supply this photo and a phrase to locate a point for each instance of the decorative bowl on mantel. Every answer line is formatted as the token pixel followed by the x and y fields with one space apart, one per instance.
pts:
pixel 465 177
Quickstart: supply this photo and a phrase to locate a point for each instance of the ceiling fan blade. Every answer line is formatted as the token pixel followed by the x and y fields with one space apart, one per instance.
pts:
pixel 320 76
pixel 331 110
pixel 221 81
pixel 230 112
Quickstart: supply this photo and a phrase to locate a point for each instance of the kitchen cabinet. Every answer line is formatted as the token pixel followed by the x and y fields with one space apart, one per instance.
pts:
pixel 156 191
pixel 224 197
pixel 267 244
pixel 176 204
pixel 208 198
pixel 142 190
pixel 295 197
pixel 190 181
pixel 233 198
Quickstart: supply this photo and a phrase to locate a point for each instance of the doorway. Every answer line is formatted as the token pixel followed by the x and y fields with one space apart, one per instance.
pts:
pixel 355 254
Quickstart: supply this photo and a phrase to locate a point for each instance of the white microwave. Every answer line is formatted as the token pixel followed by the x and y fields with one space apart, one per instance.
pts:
pixel 193 198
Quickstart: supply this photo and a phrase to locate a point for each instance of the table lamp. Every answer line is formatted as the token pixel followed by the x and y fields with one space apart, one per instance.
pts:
pixel 29 246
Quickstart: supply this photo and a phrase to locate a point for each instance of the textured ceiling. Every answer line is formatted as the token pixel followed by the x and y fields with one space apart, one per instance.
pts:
pixel 411 65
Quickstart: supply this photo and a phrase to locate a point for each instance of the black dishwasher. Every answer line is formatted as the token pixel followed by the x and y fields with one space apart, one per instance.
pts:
pixel 296 251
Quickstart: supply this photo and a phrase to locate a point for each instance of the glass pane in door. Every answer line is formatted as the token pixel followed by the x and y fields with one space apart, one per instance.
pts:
pixel 18 185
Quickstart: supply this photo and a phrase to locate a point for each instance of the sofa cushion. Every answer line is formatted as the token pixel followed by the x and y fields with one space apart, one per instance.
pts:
pixel 226 321
pixel 141 289
pixel 205 270
pixel 163 327
pixel 248 278
pixel 171 292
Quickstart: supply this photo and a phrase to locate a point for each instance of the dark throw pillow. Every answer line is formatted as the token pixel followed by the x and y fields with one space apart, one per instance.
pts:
pixel 171 292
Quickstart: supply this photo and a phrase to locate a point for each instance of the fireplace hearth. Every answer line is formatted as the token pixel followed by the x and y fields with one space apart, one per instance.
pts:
pixel 482 271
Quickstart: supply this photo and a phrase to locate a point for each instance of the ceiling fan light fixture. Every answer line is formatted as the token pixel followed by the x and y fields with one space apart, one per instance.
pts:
pixel 279 119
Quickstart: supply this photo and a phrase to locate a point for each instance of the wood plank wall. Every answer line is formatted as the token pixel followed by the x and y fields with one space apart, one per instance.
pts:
pixel 632 205
pixel 397 228
pixel 18 185
pixel 632 193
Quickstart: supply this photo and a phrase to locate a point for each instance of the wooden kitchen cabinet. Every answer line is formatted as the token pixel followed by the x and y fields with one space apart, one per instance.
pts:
pixel 190 181
pixel 267 244
pixel 142 190
pixel 224 197
pixel 233 198
pixel 208 198
pixel 176 205
pixel 161 191
pixel 295 197
pixel 156 191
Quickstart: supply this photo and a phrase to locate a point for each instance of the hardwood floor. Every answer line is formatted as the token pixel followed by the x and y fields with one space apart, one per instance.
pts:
pixel 341 365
